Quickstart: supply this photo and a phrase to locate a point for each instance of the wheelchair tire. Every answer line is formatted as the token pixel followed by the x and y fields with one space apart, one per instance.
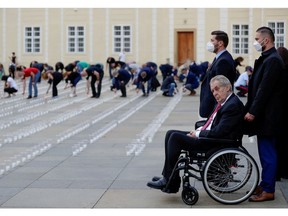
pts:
pixel 190 195
pixel 230 176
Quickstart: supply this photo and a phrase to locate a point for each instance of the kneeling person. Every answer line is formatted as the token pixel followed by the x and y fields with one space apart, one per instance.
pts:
pixel 168 86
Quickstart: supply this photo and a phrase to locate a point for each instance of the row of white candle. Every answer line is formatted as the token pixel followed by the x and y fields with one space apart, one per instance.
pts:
pixel 152 128
pixel 11 164
pixel 138 145
pixel 78 148
pixel 21 159
pixel 24 132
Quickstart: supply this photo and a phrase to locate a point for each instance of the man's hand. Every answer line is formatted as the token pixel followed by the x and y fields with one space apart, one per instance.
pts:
pixel 192 134
pixel 249 117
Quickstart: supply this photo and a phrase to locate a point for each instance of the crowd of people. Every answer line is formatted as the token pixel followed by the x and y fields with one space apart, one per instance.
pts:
pixel 144 76
pixel 263 114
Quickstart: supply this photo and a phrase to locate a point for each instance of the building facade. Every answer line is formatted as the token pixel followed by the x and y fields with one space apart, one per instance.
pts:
pixel 145 34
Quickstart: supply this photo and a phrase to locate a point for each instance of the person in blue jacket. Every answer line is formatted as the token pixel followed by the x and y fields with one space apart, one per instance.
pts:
pixel 122 77
pixel 168 86
pixel 154 83
pixel 96 73
pixel 192 83
pixel 145 76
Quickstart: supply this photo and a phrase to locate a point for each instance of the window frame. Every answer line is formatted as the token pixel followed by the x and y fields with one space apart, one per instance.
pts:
pixel 276 34
pixel 243 39
pixel 122 38
pixel 33 39
pixel 76 39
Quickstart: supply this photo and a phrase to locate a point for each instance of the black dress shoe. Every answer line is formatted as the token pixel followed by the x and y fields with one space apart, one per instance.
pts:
pixel 156 178
pixel 29 97
pixel 160 184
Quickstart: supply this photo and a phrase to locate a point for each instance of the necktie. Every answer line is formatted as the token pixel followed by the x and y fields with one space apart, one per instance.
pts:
pixel 211 116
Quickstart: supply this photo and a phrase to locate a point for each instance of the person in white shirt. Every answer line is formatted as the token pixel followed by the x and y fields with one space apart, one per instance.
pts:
pixel 242 82
pixel 122 56
pixel 10 85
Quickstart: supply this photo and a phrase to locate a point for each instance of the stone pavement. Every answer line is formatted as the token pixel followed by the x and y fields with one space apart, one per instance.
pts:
pixel 83 152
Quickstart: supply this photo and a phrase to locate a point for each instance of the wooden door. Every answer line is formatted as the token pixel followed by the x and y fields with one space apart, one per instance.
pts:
pixel 185 46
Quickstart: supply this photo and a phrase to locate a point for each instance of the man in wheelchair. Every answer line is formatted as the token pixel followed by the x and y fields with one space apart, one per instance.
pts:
pixel 223 123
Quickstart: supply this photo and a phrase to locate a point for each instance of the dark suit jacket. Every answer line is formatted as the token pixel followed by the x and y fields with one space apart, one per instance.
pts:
pixel 124 75
pixel 224 65
pixel 227 123
pixel 266 94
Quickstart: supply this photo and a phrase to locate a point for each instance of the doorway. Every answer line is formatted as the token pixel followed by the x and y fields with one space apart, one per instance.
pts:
pixel 185 44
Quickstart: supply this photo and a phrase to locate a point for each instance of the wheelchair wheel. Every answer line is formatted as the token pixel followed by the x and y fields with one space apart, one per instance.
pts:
pixel 230 176
pixel 190 195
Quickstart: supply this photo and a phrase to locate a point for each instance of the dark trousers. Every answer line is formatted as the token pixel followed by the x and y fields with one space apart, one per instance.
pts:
pixel 75 79
pixel 268 158
pixel 148 87
pixel 10 90
pixel 175 141
pixel 99 86
pixel 122 86
pixel 57 77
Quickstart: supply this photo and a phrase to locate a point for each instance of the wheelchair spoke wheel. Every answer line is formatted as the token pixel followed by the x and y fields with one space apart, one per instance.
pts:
pixel 230 176
pixel 190 195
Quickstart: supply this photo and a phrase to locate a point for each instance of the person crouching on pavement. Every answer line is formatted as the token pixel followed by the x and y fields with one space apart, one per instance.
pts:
pixel 168 86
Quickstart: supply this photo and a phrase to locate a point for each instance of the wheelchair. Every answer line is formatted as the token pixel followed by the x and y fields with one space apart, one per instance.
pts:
pixel 228 172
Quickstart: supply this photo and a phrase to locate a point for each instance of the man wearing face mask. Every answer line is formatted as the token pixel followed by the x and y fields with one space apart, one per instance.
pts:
pixel 223 64
pixel 264 109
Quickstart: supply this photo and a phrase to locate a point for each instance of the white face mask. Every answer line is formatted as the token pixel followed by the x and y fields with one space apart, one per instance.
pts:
pixel 210 47
pixel 257 46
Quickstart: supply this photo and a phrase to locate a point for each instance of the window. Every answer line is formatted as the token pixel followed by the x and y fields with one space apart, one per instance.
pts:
pixel 32 40
pixel 76 40
pixel 122 39
pixel 279 30
pixel 240 39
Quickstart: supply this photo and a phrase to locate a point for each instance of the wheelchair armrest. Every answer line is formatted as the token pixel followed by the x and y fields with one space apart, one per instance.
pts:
pixel 199 124
pixel 229 142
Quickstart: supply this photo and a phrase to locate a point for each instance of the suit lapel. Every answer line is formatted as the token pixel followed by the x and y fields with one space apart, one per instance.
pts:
pixel 220 110
pixel 209 68
pixel 215 59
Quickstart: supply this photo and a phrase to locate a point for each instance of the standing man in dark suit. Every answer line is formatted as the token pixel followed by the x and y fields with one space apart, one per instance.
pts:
pixel 223 64
pixel 224 123
pixel 264 109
